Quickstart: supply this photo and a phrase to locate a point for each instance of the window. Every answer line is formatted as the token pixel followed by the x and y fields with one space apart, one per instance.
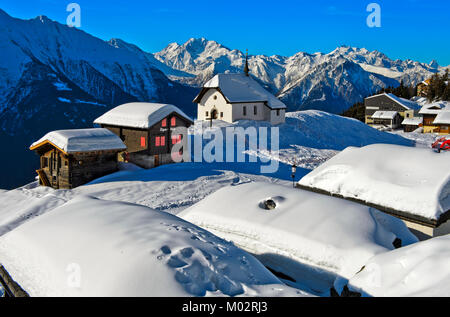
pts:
pixel 173 122
pixel 163 140
pixel 158 141
pixel 215 97
pixel 207 113
pixel 143 141
pixel 278 112
pixel 244 110
pixel 176 139
pixel 164 123
pixel 255 110
pixel 44 162
pixel 221 114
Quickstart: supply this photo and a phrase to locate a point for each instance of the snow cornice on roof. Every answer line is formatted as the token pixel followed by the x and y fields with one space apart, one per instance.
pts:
pixel 81 140
pixel 239 88
pixel 141 115
pixel 407 104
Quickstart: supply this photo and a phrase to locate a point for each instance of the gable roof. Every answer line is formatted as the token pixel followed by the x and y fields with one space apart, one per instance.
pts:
pixel 443 117
pixel 435 108
pixel 238 88
pixel 384 114
pixel 81 140
pixel 416 121
pixel 405 103
pixel 141 115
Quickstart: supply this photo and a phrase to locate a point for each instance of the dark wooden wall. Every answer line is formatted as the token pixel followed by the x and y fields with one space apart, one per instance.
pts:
pixel 132 137
pixel 383 103
pixel 69 171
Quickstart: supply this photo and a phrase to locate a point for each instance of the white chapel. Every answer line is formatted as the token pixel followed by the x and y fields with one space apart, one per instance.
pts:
pixel 232 97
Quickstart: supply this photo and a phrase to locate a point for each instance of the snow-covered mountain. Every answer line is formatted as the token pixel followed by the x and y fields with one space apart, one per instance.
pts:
pixel 57 77
pixel 330 82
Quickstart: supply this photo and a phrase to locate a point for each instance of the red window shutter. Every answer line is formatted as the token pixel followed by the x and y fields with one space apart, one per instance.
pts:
pixel 173 121
pixel 157 141
pixel 163 140
pixel 143 141
pixel 164 123
pixel 179 138
pixel 174 139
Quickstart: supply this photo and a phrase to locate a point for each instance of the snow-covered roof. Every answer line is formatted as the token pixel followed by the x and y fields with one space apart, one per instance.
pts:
pixel 123 249
pixel 405 103
pixel 443 117
pixel 412 121
pixel 81 140
pixel 322 232
pixel 435 107
pixel 421 269
pixel 391 176
pixel 141 115
pixel 384 115
pixel 241 88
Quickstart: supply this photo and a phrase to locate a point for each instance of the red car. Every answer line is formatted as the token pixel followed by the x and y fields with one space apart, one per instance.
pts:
pixel 442 144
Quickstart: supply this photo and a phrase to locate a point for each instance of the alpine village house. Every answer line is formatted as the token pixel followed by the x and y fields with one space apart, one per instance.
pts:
pixel 149 130
pixel 389 111
pixel 70 158
pixel 141 133
pixel 231 97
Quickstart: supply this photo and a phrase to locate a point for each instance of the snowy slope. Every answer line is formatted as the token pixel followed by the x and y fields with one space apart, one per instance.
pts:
pixel 106 248
pixel 310 137
pixel 421 269
pixel 306 232
pixel 412 180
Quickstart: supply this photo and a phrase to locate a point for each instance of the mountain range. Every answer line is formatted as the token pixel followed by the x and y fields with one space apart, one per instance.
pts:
pixel 58 77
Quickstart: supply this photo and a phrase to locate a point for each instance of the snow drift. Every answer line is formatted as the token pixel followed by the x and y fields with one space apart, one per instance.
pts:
pixel 421 269
pixel 304 234
pixel 411 180
pixel 90 247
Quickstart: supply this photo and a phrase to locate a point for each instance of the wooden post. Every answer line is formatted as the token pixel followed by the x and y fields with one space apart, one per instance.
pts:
pixel 12 289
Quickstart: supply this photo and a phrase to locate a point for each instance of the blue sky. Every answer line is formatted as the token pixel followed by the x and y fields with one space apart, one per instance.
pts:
pixel 415 29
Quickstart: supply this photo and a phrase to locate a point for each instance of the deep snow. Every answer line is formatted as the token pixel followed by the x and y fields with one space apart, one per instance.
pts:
pixel 305 234
pixel 91 247
pixel 421 269
pixel 412 180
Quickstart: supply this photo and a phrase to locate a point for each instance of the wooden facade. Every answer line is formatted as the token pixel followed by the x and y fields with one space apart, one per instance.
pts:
pixel 381 103
pixel 428 125
pixel 62 170
pixel 153 146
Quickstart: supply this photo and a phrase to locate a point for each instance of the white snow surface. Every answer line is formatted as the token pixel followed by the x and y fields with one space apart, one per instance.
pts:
pixel 421 269
pixel 384 114
pixel 412 121
pixel 139 114
pixel 83 140
pixel 412 180
pixel 305 233
pixel 443 117
pixel 242 88
pixel 91 247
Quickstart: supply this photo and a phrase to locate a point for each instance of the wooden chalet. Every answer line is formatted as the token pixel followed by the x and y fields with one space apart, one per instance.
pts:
pixel 149 131
pixel 388 103
pixel 436 118
pixel 70 158
pixel 442 121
